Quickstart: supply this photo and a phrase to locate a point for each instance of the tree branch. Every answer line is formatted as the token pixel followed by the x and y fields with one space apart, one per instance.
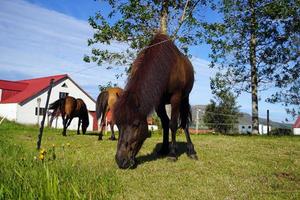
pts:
pixel 182 18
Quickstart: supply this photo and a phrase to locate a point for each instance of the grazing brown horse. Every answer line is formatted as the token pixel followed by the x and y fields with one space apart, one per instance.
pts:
pixel 69 107
pixel 105 103
pixel 161 74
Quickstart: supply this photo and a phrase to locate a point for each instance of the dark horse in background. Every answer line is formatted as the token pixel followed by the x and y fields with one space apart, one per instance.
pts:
pixel 105 103
pixel 160 75
pixel 69 107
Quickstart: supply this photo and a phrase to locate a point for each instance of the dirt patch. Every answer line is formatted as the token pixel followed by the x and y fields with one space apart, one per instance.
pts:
pixel 286 176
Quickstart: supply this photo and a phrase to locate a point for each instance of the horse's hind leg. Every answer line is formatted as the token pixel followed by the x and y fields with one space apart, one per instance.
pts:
pixel 190 147
pixel 175 104
pixel 185 112
pixel 112 137
pixel 100 133
pixel 162 114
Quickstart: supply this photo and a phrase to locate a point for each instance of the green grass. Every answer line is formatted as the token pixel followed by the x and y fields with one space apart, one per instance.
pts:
pixel 229 167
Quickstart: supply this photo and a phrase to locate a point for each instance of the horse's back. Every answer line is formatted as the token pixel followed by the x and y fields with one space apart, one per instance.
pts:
pixel 70 105
pixel 80 104
pixel 181 78
pixel 115 91
pixel 113 95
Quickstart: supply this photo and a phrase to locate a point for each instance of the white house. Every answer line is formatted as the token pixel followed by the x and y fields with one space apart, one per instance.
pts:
pixel 24 101
pixel 296 127
pixel 247 128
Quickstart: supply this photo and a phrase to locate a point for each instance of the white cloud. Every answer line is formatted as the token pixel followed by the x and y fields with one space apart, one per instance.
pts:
pixel 39 42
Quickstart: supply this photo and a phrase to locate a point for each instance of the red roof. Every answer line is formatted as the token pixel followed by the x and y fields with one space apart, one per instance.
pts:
pixel 27 88
pixel 297 123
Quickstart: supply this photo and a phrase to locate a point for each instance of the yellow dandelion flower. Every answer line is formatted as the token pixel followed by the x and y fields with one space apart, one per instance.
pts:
pixel 43 151
pixel 53 145
pixel 34 158
pixel 41 157
pixel 68 144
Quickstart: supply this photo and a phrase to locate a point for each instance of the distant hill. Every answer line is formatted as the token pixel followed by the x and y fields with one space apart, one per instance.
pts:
pixel 244 119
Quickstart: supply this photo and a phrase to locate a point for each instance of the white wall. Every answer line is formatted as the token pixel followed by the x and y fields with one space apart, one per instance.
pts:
pixel 26 112
pixel 263 129
pixel 8 110
pixel 247 128
pixel 296 131
pixel 57 123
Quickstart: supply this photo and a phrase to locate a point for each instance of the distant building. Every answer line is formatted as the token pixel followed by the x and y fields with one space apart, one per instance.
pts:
pixel 24 101
pixel 296 127
pixel 247 128
pixel 108 119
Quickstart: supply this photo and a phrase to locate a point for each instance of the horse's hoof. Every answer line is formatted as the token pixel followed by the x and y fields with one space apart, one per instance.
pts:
pixel 112 139
pixel 193 156
pixel 100 138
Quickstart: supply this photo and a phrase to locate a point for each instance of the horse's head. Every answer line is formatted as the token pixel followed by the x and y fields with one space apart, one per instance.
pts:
pixel 131 138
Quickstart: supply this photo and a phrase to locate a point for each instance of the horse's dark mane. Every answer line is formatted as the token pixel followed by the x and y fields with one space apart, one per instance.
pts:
pixel 148 80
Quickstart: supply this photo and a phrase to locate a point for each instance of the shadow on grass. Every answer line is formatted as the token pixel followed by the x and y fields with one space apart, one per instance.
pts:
pixel 181 149
pixel 91 133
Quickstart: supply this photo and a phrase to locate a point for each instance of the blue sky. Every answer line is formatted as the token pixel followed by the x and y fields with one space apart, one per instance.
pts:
pixel 47 37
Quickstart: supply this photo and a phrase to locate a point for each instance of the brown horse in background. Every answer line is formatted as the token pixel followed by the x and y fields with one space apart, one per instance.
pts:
pixel 69 107
pixel 105 103
pixel 161 75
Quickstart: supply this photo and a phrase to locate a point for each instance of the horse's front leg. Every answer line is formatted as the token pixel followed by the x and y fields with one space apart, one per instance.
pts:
pixel 79 123
pixel 162 114
pixel 175 104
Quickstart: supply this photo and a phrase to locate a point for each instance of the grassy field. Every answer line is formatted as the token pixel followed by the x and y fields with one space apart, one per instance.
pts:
pixel 80 167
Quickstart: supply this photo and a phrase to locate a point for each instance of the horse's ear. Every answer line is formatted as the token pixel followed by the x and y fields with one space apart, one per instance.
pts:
pixel 133 101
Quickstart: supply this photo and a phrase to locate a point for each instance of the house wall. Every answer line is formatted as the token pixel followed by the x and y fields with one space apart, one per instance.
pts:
pixel 8 110
pixel 247 128
pixel 26 112
pixel 296 131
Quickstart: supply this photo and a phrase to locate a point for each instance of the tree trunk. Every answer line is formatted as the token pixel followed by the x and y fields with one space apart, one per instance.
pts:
pixel 164 17
pixel 254 82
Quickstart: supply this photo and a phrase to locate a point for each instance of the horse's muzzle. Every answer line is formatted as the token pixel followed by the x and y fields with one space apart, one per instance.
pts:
pixel 125 163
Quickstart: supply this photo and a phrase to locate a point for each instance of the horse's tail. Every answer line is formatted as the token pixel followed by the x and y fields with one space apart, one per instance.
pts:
pixel 56 104
pixel 101 105
pixel 185 113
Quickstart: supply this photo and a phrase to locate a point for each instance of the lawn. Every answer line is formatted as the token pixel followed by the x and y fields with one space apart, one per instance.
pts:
pixel 81 167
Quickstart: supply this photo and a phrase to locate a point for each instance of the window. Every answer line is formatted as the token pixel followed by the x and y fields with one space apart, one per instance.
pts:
pixel 42 111
pixel 63 94
pixel 64 85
